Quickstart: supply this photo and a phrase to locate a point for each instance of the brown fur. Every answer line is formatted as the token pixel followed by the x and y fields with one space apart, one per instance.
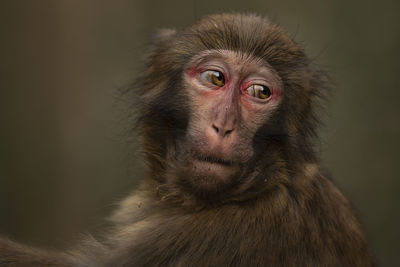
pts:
pixel 285 212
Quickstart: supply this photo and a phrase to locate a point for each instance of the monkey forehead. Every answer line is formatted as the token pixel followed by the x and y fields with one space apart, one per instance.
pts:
pixel 232 58
pixel 235 61
pixel 241 32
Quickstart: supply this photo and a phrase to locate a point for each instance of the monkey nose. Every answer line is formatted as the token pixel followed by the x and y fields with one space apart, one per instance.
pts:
pixel 221 130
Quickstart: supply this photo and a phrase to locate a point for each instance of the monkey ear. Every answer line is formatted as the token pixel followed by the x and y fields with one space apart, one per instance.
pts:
pixel 163 36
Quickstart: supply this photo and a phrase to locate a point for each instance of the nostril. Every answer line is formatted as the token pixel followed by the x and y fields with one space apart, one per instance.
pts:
pixel 228 132
pixel 215 128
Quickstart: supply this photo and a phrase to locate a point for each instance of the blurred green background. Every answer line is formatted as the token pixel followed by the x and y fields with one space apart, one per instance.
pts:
pixel 64 157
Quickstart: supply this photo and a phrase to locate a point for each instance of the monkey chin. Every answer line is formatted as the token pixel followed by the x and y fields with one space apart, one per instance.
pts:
pixel 212 175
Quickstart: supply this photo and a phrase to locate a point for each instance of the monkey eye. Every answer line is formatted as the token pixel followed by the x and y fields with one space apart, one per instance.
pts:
pixel 259 91
pixel 214 77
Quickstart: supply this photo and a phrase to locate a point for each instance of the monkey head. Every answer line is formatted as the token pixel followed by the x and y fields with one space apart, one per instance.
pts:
pixel 226 103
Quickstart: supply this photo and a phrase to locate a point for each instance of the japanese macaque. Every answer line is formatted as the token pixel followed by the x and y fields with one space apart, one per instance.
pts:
pixel 226 121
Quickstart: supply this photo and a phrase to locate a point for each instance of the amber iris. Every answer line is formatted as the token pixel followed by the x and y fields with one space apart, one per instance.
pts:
pixel 259 91
pixel 214 77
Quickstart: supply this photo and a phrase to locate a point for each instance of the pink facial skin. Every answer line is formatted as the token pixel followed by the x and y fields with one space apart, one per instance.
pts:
pixel 227 117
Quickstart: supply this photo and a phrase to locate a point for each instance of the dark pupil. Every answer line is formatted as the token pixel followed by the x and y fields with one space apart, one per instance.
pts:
pixel 219 76
pixel 265 91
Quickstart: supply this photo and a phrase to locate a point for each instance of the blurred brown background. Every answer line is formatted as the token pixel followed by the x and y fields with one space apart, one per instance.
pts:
pixel 65 160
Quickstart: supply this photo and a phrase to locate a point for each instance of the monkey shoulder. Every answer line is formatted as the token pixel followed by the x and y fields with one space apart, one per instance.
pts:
pixel 328 223
pixel 309 217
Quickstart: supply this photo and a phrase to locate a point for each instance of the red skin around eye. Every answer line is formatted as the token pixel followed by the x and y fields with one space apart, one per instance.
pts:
pixel 192 72
pixel 276 95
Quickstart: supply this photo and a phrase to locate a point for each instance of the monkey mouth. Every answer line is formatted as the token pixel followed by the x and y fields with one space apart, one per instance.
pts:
pixel 213 169
pixel 214 160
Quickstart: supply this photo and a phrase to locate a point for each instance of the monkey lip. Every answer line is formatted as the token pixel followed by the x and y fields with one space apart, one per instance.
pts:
pixel 214 160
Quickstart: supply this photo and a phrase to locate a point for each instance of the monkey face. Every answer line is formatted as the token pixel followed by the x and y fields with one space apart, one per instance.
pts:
pixel 232 95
